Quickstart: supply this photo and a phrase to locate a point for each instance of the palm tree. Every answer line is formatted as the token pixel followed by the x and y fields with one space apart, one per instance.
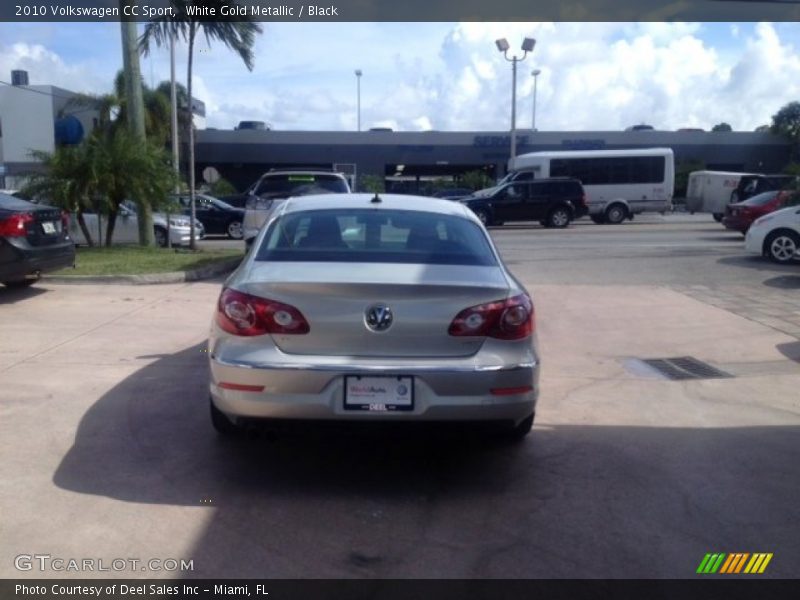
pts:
pixel 124 167
pixel 109 167
pixel 238 36
pixel 112 109
pixel 66 181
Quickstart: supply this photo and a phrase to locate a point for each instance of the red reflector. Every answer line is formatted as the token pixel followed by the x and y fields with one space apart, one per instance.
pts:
pixel 239 387
pixel 510 391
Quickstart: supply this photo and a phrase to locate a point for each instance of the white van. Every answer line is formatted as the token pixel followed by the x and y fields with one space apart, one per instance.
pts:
pixel 618 183
pixel 710 191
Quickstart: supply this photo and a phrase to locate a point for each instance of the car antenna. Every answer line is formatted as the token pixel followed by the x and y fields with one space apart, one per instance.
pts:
pixel 376 199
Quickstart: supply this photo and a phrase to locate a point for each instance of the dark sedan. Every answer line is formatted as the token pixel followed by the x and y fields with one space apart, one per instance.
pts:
pixel 740 216
pixel 217 217
pixel 34 239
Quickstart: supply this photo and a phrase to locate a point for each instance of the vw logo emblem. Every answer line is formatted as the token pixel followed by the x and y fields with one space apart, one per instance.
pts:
pixel 379 317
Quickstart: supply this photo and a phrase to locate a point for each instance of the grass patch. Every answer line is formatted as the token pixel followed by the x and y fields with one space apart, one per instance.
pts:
pixel 136 260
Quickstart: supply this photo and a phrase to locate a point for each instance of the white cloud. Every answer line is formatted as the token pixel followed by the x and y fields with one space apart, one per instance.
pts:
pixel 594 76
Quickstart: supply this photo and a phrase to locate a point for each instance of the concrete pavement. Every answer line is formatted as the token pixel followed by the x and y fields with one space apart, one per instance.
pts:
pixel 107 450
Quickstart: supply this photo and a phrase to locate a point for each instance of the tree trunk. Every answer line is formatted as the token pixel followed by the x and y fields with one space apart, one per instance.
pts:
pixel 192 32
pixel 135 116
pixel 110 224
pixel 84 229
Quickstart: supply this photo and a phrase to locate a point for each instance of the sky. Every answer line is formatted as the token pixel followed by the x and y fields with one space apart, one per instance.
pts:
pixel 450 76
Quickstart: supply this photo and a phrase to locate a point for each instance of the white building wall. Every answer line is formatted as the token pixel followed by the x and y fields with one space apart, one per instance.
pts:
pixel 27 121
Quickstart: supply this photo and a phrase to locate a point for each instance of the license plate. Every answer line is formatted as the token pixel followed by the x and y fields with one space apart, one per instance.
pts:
pixel 378 394
pixel 49 227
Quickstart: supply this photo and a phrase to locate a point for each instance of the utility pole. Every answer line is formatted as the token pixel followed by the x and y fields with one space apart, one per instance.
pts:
pixel 135 112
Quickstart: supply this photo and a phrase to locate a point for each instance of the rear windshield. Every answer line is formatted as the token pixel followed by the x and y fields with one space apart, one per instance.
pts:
pixel 299 184
pixel 370 236
pixel 760 199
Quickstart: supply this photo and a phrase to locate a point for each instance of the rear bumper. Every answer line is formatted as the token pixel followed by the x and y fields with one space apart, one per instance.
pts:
pixel 736 223
pixel 444 389
pixel 19 260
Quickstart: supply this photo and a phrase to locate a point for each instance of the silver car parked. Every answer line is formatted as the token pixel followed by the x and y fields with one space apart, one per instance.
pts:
pixel 375 308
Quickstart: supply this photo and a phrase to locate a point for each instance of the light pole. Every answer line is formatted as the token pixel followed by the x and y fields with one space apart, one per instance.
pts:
pixel 535 73
pixel 502 46
pixel 358 96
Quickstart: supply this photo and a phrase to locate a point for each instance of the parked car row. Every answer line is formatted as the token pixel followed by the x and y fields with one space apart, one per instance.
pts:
pixel 126 227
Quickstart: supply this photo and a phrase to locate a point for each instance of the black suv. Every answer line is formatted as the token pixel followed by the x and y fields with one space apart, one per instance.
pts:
pixel 552 202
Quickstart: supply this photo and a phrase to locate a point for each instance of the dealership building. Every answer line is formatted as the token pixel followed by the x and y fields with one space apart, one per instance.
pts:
pixel 409 160
pixel 43 117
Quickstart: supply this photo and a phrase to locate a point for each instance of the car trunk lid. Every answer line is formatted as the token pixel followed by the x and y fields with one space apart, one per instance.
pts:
pixel 336 297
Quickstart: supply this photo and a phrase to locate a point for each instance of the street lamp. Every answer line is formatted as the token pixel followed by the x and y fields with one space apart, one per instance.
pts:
pixel 502 46
pixel 535 73
pixel 358 96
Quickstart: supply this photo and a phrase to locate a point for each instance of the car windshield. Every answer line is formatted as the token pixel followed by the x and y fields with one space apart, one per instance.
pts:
pixel 369 236
pixel 299 184
pixel 760 199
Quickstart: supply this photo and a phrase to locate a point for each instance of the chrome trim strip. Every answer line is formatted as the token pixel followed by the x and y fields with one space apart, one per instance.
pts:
pixel 361 368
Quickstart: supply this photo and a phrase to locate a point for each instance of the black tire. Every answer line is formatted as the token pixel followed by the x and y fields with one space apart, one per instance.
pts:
pixel 221 423
pixel 718 217
pixel 234 230
pixel 161 236
pixel 616 214
pixel 781 246
pixel 483 217
pixel 19 284
pixel 559 218
pixel 518 433
pixel 599 219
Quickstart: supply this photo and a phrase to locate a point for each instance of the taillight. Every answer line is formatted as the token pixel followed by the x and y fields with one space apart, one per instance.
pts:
pixel 65 220
pixel 509 319
pixel 583 200
pixel 242 314
pixel 16 225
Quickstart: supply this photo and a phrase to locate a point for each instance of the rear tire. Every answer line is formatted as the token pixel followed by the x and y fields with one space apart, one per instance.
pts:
pixel 559 218
pixel 781 246
pixel 221 423
pixel 718 217
pixel 160 235
pixel 518 433
pixel 616 214
pixel 234 230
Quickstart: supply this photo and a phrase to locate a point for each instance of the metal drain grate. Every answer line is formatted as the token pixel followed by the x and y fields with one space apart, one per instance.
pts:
pixel 685 367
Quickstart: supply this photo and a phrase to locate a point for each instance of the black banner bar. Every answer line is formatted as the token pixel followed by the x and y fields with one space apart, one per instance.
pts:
pixel 705 587
pixel 406 10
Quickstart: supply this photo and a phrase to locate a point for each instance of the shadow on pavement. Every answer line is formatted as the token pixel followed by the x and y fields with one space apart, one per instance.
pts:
pixel 12 295
pixel 784 282
pixel 790 350
pixel 570 501
pixel 750 261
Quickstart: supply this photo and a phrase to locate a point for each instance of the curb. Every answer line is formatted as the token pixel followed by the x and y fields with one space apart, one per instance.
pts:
pixel 214 270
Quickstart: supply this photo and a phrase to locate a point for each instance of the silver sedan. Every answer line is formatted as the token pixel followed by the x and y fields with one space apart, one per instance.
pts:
pixel 373 308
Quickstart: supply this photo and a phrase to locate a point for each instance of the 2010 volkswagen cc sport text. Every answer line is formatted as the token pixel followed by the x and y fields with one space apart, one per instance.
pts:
pixel 373 308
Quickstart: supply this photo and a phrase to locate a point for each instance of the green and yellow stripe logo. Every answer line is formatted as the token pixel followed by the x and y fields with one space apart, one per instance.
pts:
pixel 731 564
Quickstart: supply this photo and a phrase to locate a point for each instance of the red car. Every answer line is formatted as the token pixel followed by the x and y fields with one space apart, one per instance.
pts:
pixel 740 215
